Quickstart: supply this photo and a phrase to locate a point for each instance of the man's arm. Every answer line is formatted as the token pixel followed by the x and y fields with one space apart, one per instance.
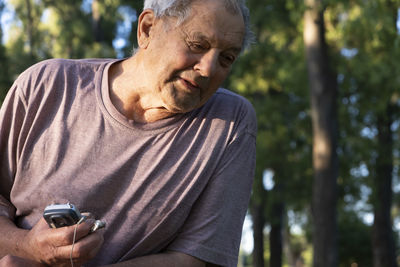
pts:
pixel 50 246
pixel 167 259
pixel 12 238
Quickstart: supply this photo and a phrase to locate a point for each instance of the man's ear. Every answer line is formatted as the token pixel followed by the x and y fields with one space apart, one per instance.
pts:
pixel 145 23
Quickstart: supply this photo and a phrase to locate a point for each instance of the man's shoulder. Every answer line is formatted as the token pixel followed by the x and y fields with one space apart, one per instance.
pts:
pixel 55 74
pixel 229 100
pixel 232 97
pixel 230 106
pixel 47 69
pixel 59 63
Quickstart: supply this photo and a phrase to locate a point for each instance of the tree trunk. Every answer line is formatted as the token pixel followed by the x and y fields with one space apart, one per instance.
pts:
pixel 30 29
pixel 96 17
pixel 257 215
pixel 382 234
pixel 277 224
pixel 293 254
pixel 324 120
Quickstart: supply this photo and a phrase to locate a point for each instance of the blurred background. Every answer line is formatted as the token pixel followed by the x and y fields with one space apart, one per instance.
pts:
pixel 324 78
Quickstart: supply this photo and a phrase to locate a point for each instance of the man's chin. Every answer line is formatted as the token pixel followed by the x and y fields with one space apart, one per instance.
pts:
pixel 180 101
pixel 184 106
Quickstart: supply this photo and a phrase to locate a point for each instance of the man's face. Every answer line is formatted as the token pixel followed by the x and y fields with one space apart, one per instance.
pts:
pixel 190 61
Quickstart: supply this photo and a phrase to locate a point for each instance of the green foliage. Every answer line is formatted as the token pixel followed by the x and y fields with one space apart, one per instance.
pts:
pixel 354 241
pixel 272 75
pixel 368 81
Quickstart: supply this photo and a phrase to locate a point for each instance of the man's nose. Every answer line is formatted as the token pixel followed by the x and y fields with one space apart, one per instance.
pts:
pixel 208 63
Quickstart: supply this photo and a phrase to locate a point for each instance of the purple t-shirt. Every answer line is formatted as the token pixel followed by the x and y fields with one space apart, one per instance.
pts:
pixel 181 183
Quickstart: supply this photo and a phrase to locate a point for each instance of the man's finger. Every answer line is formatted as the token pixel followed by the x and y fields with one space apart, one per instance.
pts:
pixel 84 249
pixel 64 236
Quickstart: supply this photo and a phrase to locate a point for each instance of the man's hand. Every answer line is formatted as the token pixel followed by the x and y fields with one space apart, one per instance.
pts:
pixel 53 246
pixel 13 261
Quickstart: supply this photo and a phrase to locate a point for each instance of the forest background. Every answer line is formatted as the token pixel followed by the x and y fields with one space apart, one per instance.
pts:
pixel 324 78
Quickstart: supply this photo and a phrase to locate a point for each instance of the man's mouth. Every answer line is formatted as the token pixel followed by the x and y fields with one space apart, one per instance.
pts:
pixel 190 85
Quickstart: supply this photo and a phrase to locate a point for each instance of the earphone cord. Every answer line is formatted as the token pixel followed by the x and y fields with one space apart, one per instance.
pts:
pixel 74 239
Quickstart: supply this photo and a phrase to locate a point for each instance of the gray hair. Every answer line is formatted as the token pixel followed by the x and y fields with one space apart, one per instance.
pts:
pixel 181 10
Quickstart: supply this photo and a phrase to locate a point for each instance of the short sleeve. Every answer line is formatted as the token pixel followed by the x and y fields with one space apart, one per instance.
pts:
pixel 12 114
pixel 213 229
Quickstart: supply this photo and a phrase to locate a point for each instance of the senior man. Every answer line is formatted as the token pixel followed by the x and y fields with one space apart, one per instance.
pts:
pixel 149 144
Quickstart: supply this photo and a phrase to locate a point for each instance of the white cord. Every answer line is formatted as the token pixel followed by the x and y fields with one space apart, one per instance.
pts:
pixel 73 239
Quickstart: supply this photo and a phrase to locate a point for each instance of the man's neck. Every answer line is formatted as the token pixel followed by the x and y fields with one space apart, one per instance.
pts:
pixel 130 95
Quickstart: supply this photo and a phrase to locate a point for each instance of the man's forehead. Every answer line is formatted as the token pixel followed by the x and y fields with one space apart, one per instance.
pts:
pixel 231 40
pixel 215 24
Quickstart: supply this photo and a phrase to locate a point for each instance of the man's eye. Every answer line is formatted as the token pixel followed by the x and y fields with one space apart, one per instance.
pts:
pixel 227 60
pixel 197 47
